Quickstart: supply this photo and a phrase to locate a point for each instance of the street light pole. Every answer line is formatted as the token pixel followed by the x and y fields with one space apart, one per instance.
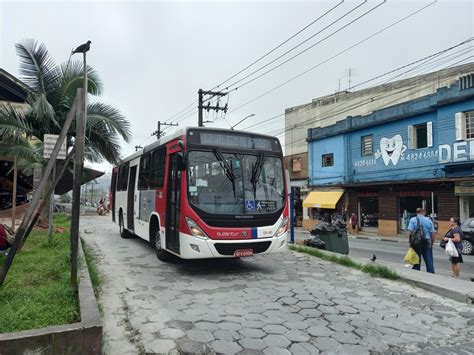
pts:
pixel 242 120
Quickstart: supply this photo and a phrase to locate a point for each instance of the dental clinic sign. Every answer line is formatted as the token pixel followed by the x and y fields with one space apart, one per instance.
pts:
pixel 457 152
pixel 392 151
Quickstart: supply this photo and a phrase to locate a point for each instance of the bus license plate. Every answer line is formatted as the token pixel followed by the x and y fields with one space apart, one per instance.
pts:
pixel 243 252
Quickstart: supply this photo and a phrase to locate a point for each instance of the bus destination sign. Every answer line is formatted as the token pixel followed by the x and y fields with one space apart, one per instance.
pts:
pixel 235 141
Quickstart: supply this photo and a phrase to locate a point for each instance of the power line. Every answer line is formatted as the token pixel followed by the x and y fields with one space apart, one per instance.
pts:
pixel 360 103
pixel 421 88
pixel 381 76
pixel 305 50
pixel 308 48
pixel 280 45
pixel 259 59
pixel 334 56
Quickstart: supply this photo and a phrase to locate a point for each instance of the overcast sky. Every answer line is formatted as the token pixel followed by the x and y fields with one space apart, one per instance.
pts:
pixel 154 56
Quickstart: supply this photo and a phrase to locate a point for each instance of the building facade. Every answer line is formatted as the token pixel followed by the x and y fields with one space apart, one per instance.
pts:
pixel 328 110
pixel 419 153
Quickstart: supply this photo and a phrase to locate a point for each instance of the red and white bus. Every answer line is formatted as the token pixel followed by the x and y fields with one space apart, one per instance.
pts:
pixel 204 193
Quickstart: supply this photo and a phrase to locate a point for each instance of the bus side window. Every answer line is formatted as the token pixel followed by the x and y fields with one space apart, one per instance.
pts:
pixel 123 178
pixel 144 175
pixel 157 168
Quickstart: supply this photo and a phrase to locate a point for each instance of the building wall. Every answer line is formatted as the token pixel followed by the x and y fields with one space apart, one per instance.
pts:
pixel 292 164
pixel 327 110
pixel 392 158
pixel 320 175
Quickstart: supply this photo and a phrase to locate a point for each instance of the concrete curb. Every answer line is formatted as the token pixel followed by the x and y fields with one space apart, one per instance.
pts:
pixel 84 337
pixel 392 240
pixel 458 290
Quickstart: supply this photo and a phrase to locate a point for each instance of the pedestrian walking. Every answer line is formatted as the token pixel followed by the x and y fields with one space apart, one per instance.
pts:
pixel 353 221
pixel 425 248
pixel 455 234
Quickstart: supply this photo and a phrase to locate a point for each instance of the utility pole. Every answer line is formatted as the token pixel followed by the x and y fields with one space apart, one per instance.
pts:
pixel 138 147
pixel 208 107
pixel 158 132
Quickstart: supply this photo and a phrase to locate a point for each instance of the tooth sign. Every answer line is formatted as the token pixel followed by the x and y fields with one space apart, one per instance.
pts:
pixel 391 149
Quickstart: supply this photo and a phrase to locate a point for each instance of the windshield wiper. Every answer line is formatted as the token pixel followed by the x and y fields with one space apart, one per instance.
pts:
pixel 225 165
pixel 256 170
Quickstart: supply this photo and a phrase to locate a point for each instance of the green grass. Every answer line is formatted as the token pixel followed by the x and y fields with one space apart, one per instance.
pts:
pixel 372 269
pixel 95 277
pixel 62 220
pixel 37 290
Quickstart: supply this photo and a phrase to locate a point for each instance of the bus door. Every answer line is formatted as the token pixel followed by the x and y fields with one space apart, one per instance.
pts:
pixel 131 198
pixel 173 203
pixel 113 188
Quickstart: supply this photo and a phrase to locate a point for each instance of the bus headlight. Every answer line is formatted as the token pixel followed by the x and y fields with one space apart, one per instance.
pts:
pixel 283 227
pixel 195 230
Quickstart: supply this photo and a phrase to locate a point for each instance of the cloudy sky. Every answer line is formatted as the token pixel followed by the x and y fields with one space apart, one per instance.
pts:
pixel 153 56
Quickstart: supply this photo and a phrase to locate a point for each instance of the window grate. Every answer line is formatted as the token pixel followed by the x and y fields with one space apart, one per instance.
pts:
pixel 367 146
pixel 470 125
pixel 327 160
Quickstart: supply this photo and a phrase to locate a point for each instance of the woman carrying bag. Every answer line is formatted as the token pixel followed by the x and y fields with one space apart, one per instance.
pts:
pixel 455 234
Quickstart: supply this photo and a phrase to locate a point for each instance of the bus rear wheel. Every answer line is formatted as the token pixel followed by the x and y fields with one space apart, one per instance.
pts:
pixel 123 232
pixel 161 253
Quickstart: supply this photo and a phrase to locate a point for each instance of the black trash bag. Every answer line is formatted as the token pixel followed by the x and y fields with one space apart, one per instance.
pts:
pixel 339 224
pixel 315 242
pixel 322 227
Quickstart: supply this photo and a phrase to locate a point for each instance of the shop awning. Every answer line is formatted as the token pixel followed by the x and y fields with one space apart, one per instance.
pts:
pixel 322 199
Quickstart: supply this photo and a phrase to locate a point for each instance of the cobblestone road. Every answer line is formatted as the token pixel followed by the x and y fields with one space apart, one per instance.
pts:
pixel 277 304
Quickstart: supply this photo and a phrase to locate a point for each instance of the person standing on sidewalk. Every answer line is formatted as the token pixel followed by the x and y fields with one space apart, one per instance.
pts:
pixel 354 223
pixel 456 234
pixel 429 233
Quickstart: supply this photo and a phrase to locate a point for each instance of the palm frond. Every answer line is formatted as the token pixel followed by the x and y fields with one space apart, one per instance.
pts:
pixel 37 68
pixel 109 118
pixel 28 167
pixel 72 78
pixel 102 144
pixel 13 122
pixel 20 148
pixel 43 111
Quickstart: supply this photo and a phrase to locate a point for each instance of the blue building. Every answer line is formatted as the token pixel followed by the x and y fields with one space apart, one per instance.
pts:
pixel 393 160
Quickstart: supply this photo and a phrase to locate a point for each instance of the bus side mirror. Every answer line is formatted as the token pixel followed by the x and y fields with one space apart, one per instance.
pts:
pixel 181 161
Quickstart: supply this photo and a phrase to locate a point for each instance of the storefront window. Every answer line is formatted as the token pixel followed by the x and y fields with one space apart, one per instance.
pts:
pixel 409 204
pixel 369 211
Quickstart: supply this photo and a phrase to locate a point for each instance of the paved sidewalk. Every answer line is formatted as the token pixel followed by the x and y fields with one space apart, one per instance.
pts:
pixel 456 289
pixel 272 304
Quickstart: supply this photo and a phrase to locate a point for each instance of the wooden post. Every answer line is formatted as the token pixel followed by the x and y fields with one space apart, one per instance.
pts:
pixel 76 189
pixel 15 177
pixel 51 210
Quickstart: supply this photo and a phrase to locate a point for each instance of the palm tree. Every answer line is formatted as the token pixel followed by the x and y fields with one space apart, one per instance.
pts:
pixel 52 92
pixel 53 89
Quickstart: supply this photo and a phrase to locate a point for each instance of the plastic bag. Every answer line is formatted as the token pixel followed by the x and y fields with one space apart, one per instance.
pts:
pixel 451 249
pixel 412 257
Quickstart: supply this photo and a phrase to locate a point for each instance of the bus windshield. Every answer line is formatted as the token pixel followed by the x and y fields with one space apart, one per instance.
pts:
pixel 233 183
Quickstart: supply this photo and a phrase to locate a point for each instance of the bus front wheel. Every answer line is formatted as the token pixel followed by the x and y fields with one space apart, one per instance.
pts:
pixel 161 253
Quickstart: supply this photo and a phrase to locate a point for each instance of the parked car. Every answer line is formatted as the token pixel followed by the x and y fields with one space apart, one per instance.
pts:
pixel 468 240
